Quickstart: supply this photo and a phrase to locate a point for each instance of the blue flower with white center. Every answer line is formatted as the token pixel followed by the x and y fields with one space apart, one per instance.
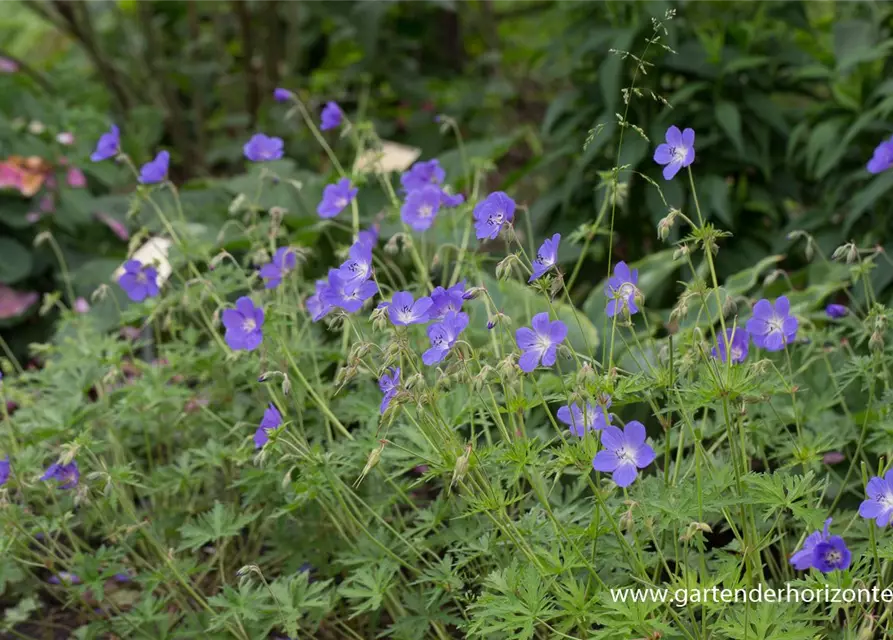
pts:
pixel 404 311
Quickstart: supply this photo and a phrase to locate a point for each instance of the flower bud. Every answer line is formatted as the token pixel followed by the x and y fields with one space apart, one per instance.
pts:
pixel 666 224
pixel 237 204
pixel 586 374
pixel 461 467
pixel 345 374
pixel 505 267
pixel 371 461
pixel 99 293
pixel 473 293
pixel 876 342
pixel 681 252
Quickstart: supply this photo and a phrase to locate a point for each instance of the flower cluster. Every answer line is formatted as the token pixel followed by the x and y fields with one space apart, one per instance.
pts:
pixel 349 286
pixel 425 195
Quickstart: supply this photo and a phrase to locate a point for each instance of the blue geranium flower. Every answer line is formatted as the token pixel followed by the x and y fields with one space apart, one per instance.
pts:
pixel 624 453
pixel 67 475
pixel 350 295
pixel 156 170
pixel 738 340
pixel 317 305
pixel 678 152
pixel 272 420
pixel 622 290
pixel 331 116
pixel 836 310
pixel 404 311
pixel 358 266
pixel 882 158
pixel 492 214
pixel 284 261
pixel 282 95
pixel 590 418
pixel 772 326
pixel 335 197
pixel 422 174
pixel 263 148
pixel 139 281
pixel 446 300
pixel 389 383
pixel 421 207
pixel 546 257
pixel 243 325
pixel 108 145
pixel 540 343
pixel 443 336
pixel 879 504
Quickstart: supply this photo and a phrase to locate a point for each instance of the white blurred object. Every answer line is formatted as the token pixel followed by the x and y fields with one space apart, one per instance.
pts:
pixel 391 157
pixel 154 251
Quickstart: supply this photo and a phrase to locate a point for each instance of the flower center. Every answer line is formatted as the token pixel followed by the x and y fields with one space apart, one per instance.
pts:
pixel 887 500
pixel 776 324
pixel 736 353
pixel 678 153
pixel 833 557
pixel 249 325
pixel 544 342
pixel 625 454
pixel 425 211
pixel 340 202
pixel 496 218
pixel 543 260
pixel 141 277
pixel 626 290
pixel 405 313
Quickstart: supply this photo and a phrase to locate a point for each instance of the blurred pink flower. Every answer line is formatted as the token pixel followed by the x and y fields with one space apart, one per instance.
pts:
pixel 117 227
pixel 14 303
pixel 76 178
pixel 9 177
pixel 47 205
pixel 833 457
pixel 81 305
pixel 65 138
pixel 33 216
pixel 8 66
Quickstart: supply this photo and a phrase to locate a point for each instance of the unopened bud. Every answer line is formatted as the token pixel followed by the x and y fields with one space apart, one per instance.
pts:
pixel 507 369
pixel 99 293
pixel 286 384
pixel 729 306
pixel 473 293
pixel 876 342
pixel 379 317
pixel 681 252
pixel 414 380
pixel 461 467
pixel 236 205
pixel 666 224
pixel 679 311
pixel 374 457
pixel 345 374
pixel 506 265
pixel 693 528
pixel 586 374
